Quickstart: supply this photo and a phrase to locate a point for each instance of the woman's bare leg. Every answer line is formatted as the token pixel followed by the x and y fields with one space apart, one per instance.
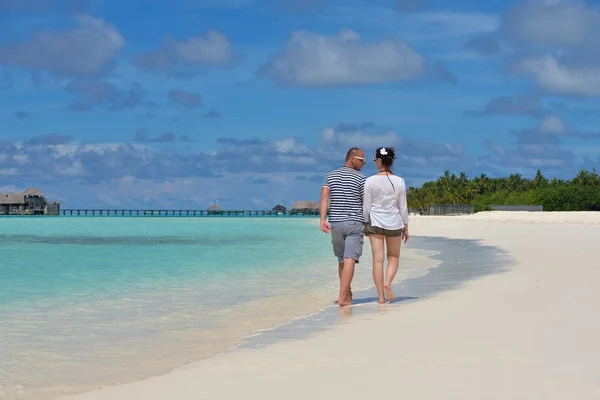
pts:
pixel 377 247
pixel 393 244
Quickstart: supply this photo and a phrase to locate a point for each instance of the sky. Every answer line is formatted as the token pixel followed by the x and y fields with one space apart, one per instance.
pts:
pixel 249 103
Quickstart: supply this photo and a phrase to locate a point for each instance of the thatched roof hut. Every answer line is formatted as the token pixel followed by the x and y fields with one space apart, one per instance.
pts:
pixel 305 205
pixel 19 198
pixel 11 198
pixel 32 192
pixel 279 209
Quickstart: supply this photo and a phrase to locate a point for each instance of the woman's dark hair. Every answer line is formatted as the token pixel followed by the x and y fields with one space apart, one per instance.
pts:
pixel 387 155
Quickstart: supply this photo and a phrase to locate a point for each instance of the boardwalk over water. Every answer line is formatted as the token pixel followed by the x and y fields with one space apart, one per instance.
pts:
pixel 184 213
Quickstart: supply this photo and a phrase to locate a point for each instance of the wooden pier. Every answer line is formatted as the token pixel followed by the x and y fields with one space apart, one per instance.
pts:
pixel 183 213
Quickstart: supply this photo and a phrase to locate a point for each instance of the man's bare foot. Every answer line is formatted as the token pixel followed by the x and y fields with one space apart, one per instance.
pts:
pixel 388 292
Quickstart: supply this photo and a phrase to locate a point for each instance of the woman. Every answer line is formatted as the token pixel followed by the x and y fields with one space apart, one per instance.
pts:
pixel 386 216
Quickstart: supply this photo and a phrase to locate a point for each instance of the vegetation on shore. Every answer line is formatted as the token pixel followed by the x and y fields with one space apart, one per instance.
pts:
pixel 581 193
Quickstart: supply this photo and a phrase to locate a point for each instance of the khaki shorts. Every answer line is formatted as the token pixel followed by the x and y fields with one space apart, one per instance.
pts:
pixel 375 230
pixel 347 238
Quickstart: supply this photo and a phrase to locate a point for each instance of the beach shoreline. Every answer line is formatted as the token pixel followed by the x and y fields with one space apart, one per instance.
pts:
pixel 248 320
pixel 502 335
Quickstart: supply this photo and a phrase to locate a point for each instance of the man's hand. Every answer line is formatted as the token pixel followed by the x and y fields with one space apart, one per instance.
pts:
pixel 405 235
pixel 325 227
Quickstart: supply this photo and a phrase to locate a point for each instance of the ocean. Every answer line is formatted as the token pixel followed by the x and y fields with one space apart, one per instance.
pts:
pixel 87 302
pixel 92 301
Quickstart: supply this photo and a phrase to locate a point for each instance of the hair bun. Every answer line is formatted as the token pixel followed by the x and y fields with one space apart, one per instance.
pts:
pixel 386 152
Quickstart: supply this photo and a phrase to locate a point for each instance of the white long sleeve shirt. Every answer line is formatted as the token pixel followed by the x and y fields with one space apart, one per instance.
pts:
pixel 384 202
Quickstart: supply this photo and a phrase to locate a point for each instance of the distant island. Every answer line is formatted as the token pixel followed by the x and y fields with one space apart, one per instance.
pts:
pixel 581 193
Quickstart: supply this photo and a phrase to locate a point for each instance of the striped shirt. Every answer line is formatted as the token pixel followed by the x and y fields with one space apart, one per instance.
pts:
pixel 346 189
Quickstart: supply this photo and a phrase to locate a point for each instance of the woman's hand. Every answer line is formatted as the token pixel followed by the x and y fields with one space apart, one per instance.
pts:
pixel 405 235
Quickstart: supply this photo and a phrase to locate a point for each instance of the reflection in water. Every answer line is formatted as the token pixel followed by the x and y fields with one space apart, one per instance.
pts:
pixel 345 312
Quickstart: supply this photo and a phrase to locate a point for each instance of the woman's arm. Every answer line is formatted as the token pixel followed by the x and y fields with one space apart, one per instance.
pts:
pixel 367 201
pixel 402 204
pixel 403 207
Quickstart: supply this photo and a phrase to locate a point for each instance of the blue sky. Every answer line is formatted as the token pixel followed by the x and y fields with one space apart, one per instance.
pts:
pixel 107 103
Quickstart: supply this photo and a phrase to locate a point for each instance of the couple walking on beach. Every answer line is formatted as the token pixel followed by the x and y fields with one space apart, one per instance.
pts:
pixel 360 206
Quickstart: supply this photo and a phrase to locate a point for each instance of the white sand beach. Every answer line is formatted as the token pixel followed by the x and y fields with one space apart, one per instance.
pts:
pixel 529 333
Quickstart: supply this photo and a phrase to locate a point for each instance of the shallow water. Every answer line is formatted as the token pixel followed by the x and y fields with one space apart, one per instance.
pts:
pixel 87 302
pixel 90 301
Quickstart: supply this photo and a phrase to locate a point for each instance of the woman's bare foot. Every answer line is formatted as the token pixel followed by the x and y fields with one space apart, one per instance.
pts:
pixel 381 300
pixel 388 292
pixel 346 301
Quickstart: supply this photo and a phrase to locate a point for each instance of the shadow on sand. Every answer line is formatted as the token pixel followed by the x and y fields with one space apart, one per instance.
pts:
pixel 461 260
pixel 373 299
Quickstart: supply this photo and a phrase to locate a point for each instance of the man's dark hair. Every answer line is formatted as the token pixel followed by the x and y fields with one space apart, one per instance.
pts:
pixel 352 153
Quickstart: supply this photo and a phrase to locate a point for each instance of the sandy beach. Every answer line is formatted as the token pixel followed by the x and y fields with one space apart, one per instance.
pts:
pixel 530 332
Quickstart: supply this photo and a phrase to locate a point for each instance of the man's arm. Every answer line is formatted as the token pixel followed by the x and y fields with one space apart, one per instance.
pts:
pixel 323 203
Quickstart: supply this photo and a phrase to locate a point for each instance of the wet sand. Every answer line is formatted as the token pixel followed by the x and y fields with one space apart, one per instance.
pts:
pixel 528 332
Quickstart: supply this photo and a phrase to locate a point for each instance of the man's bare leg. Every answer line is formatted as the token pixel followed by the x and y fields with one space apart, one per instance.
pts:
pixel 346 276
pixel 340 268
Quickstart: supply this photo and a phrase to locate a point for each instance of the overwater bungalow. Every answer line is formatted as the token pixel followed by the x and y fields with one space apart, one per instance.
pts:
pixel 28 202
pixel 305 208
pixel 279 209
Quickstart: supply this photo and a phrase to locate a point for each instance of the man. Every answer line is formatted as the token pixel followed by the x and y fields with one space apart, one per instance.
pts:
pixel 343 188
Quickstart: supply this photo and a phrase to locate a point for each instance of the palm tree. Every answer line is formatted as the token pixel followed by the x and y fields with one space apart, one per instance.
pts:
pixel 539 181
pixel 459 189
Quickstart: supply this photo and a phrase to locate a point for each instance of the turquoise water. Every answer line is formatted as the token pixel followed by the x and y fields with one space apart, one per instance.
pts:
pixel 47 260
pixel 92 301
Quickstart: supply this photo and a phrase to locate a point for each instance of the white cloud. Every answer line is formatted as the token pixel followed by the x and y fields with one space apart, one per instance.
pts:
pixel 456 25
pixel 186 57
pixel 96 162
pixel 314 60
pixel 278 171
pixel 290 145
pixel 550 75
pixel 554 22
pixel 520 104
pixel 428 26
pixel 343 140
pixel 532 156
pixel 86 50
pixel 552 42
pixel 552 125
pixel 213 48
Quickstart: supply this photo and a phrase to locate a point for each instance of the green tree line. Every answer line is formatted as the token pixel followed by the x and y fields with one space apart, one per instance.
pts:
pixel 581 193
